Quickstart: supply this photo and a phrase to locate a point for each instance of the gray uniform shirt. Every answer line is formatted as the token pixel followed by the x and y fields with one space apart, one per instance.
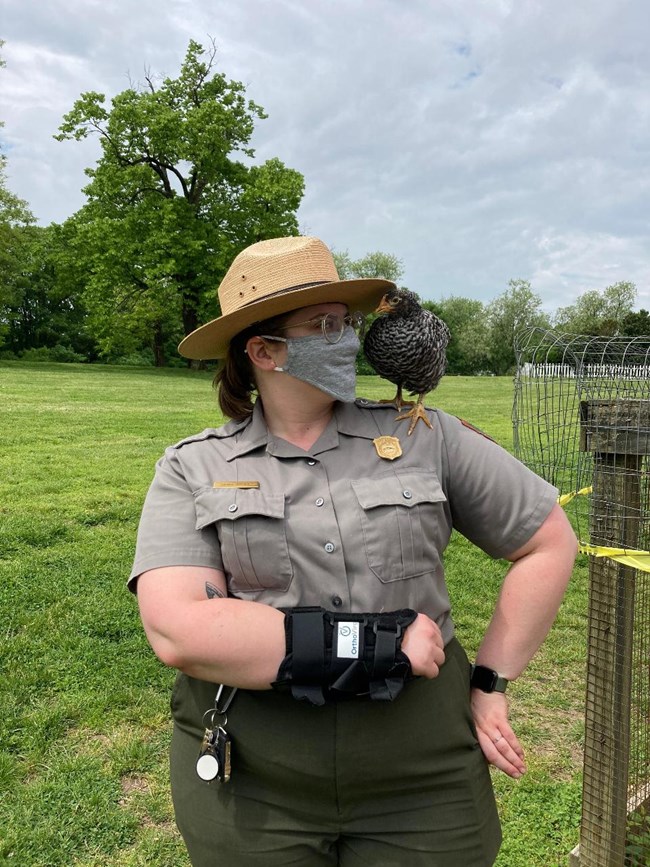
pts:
pixel 339 526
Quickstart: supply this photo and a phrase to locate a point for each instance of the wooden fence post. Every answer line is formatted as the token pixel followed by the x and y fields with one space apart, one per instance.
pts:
pixel 618 434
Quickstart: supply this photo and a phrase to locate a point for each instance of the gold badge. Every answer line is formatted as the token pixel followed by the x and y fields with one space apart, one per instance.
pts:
pixel 235 484
pixel 387 447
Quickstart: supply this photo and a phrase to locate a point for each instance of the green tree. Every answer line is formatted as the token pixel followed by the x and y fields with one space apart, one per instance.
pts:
pixel 45 310
pixel 170 203
pixel 509 313
pixel 14 242
pixel 377 264
pixel 468 349
pixel 598 312
pixel 637 324
pixel 620 299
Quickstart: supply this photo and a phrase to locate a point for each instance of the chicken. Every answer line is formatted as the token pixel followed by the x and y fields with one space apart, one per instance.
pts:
pixel 407 347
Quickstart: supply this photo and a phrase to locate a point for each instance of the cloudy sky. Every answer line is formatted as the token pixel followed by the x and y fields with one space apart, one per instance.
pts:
pixel 477 141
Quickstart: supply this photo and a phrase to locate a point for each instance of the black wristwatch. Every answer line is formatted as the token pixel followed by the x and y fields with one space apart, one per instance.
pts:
pixel 487 679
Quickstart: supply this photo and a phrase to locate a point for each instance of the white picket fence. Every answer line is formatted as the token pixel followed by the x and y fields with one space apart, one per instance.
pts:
pixel 586 371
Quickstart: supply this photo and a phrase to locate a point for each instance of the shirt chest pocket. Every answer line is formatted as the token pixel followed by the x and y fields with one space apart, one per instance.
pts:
pixel 251 529
pixel 401 518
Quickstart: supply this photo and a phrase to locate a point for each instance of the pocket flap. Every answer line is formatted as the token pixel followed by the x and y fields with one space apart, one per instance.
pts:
pixel 218 505
pixel 402 489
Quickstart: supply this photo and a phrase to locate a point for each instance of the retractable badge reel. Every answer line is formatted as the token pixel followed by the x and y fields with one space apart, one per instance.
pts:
pixel 214 757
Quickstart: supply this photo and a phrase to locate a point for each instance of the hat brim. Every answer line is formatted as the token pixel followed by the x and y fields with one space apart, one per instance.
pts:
pixel 212 339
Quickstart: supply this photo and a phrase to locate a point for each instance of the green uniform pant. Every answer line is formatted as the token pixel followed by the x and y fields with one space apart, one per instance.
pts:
pixel 358 783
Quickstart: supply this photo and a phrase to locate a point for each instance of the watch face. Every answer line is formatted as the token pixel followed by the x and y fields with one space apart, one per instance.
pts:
pixel 484 678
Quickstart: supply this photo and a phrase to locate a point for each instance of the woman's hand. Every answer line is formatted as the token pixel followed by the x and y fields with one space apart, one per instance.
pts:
pixel 423 645
pixel 499 743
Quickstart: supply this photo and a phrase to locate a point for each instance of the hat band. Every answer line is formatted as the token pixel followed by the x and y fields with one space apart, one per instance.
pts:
pixel 284 291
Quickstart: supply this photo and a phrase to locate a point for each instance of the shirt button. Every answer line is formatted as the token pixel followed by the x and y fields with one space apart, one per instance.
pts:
pixel 337 601
pixel 329 547
pixel 320 501
pixel 407 494
pixel 311 463
pixel 232 507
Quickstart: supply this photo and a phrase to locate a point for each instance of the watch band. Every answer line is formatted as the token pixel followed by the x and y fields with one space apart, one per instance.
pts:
pixel 487 679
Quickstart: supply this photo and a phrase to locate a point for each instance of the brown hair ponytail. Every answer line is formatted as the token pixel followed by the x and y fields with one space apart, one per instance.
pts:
pixel 235 379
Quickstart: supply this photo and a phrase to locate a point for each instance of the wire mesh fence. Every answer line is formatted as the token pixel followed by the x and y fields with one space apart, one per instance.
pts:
pixel 581 420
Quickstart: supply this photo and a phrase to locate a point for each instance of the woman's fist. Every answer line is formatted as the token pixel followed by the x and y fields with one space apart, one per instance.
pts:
pixel 423 645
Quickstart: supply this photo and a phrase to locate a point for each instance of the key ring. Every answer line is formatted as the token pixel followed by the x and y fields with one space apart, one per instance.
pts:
pixel 217 711
pixel 209 717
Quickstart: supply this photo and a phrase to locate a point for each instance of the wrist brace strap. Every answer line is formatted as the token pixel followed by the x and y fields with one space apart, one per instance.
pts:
pixel 332 655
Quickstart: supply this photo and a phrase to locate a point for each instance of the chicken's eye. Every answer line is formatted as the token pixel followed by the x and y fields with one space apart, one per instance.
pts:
pixel 394 301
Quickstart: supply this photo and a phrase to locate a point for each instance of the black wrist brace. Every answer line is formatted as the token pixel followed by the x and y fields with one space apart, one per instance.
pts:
pixel 333 656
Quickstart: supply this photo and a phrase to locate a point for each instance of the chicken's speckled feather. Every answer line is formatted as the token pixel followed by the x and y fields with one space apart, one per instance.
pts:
pixel 407 345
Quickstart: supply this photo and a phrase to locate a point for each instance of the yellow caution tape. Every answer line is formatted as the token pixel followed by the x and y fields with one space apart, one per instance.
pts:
pixel 626 556
pixel 563 499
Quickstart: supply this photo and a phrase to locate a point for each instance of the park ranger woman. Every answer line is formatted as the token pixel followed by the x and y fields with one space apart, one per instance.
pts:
pixel 294 556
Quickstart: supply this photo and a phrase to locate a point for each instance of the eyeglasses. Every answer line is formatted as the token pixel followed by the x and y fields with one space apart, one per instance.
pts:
pixel 331 325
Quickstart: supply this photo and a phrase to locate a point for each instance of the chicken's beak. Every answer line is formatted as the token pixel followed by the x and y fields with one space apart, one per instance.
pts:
pixel 384 306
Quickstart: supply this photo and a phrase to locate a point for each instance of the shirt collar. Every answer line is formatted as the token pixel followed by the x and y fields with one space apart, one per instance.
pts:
pixel 353 419
pixel 253 435
pixel 350 419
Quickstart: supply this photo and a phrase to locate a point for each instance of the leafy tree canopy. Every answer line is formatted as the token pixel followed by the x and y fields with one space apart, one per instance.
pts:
pixel 377 264
pixel 514 310
pixel 637 324
pixel 170 201
pixel 598 312
pixel 42 308
pixel 468 349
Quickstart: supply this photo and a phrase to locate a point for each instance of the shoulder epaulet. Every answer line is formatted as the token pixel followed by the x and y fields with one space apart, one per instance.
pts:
pixel 196 438
pixel 227 430
pixel 475 429
pixel 366 403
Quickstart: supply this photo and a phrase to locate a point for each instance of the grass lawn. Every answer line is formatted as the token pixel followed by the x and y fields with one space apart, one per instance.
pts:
pixel 84 722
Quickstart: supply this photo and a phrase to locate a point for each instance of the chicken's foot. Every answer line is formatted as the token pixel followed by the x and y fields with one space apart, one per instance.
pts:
pixel 398 401
pixel 415 414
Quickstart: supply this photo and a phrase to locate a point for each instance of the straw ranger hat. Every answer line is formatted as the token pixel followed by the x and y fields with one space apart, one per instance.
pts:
pixel 274 277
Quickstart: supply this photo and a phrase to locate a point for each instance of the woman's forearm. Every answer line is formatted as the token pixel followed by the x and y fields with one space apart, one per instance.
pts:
pixel 192 625
pixel 529 600
pixel 222 640
pixel 246 639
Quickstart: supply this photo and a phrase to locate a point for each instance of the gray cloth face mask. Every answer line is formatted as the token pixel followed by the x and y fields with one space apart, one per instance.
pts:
pixel 328 366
